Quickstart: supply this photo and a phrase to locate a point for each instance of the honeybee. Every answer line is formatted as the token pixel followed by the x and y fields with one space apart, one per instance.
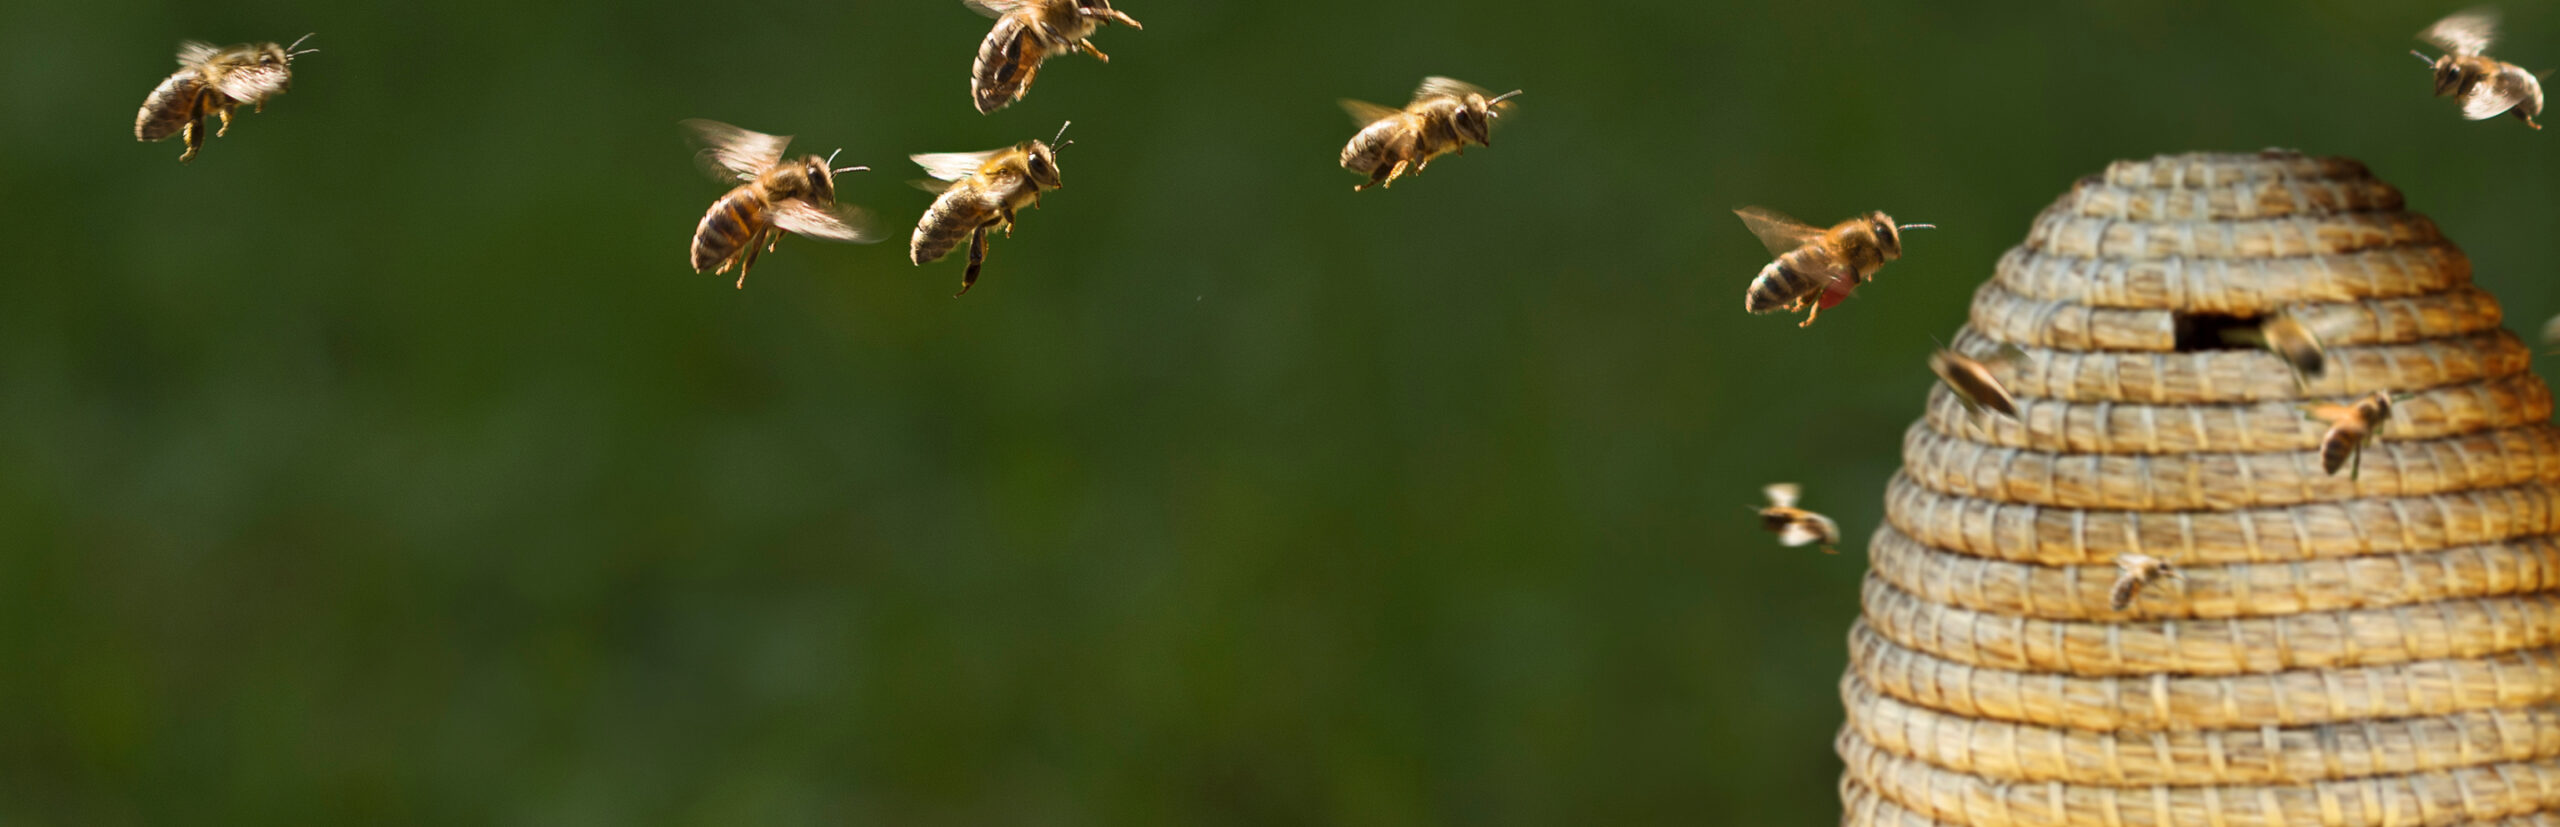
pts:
pixel 1795 526
pixel 2486 86
pixel 2290 337
pixel 1975 383
pixel 1444 117
pixel 984 191
pixel 1815 266
pixel 773 196
pixel 2139 571
pixel 1026 33
pixel 214 81
pixel 2351 428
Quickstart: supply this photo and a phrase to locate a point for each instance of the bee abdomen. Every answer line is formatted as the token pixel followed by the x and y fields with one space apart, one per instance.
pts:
pixel 1004 64
pixel 728 227
pixel 2336 449
pixel 2122 594
pixel 169 108
pixel 1778 287
pixel 943 228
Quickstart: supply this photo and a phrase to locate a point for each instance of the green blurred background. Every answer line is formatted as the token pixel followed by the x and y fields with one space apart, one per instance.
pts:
pixel 388 464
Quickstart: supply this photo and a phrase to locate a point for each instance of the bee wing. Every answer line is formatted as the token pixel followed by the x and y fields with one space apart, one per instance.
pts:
pixel 729 153
pixel 1782 494
pixel 2551 331
pixel 1440 87
pixel 2465 32
pixel 953 166
pixel 1364 113
pixel 995 8
pixel 2499 92
pixel 251 85
pixel 834 222
pixel 2332 414
pixel 1777 231
pixel 196 52
pixel 1814 528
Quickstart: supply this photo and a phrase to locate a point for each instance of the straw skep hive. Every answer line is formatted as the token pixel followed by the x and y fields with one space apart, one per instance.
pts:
pixel 2376 651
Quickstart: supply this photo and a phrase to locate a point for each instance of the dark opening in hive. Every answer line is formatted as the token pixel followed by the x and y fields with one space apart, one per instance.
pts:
pixel 2214 331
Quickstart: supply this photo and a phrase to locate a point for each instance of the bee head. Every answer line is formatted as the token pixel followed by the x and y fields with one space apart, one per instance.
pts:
pixel 821 173
pixel 1474 119
pixel 2448 75
pixel 1040 159
pixel 1103 9
pixel 274 55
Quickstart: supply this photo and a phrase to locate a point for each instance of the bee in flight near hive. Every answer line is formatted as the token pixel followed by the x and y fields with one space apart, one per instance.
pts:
pixel 2351 428
pixel 2292 338
pixel 1814 266
pixel 2486 86
pixel 2139 571
pixel 1975 383
pixel 1026 33
pixel 214 81
pixel 773 196
pixel 984 191
pixel 1444 117
pixel 1795 526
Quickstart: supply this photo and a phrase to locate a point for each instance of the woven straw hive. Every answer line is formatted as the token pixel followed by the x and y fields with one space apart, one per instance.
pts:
pixel 2377 651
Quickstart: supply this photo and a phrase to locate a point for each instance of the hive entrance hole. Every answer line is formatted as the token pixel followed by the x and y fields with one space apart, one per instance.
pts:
pixel 2214 331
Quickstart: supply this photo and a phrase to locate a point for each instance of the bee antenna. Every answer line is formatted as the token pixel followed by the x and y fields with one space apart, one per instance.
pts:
pixel 1917 227
pixel 297 42
pixel 1056 141
pixel 1502 97
pixel 2422 57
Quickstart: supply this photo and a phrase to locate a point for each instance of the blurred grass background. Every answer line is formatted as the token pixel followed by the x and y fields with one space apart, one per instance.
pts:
pixel 388 465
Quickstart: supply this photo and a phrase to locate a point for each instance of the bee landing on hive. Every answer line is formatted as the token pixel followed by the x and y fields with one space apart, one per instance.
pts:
pixel 2159 593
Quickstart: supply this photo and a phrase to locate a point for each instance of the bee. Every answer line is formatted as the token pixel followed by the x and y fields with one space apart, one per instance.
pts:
pixel 1795 526
pixel 2290 337
pixel 1975 383
pixel 2351 428
pixel 214 81
pixel 773 196
pixel 1815 266
pixel 984 190
pixel 2139 571
pixel 1444 117
pixel 2485 85
pixel 1027 32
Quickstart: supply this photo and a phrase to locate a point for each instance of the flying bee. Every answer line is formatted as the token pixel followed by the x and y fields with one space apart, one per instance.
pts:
pixel 1814 266
pixel 214 81
pixel 1975 383
pixel 2292 338
pixel 1444 117
pixel 1026 33
pixel 2486 86
pixel 2351 428
pixel 1795 526
pixel 984 190
pixel 773 196
pixel 2139 571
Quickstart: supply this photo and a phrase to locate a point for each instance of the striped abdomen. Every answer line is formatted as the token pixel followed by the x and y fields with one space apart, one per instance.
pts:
pixel 1785 284
pixel 1007 60
pixel 728 229
pixel 172 105
pixel 959 212
pixel 2340 445
pixel 1379 144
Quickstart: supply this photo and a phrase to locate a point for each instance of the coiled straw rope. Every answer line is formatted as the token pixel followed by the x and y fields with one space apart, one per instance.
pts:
pixel 2382 650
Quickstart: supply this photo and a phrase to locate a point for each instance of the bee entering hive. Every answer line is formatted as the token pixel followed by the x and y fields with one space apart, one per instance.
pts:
pixel 2143 601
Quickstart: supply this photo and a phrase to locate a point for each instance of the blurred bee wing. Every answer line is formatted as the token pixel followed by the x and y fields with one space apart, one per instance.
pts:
pixel 836 222
pixel 1779 232
pixel 2465 32
pixel 196 52
pixel 1782 494
pixel 953 166
pixel 2332 414
pixel 995 8
pixel 252 85
pixel 1814 528
pixel 729 153
pixel 2551 331
pixel 2497 93
pixel 1440 87
pixel 1364 113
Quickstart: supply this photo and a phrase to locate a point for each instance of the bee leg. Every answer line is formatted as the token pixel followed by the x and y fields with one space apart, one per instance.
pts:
pixel 977 258
pixel 194 131
pixel 1087 45
pixel 225 112
pixel 746 262
pixel 1394 173
pixel 1808 317
pixel 2355 463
